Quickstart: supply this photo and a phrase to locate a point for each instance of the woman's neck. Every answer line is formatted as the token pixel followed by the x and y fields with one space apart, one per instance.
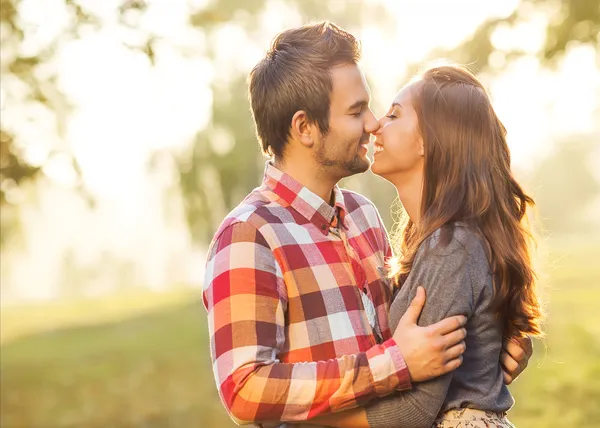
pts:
pixel 410 190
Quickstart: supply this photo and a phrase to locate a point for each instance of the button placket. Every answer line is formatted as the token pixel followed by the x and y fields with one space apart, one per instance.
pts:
pixel 363 290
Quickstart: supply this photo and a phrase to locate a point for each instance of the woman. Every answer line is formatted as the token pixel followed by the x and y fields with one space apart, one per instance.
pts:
pixel 444 149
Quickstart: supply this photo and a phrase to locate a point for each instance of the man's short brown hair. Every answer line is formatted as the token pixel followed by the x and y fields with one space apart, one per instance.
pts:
pixel 295 75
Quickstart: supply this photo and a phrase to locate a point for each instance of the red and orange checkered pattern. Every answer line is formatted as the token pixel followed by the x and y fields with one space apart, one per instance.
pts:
pixel 298 304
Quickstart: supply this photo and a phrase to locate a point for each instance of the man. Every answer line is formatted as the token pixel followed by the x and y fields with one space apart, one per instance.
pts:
pixel 295 289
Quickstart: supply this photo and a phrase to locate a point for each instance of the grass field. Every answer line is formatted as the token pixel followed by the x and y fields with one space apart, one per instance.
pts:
pixel 142 360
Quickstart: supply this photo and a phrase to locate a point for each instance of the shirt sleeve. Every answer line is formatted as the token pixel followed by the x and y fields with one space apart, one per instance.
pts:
pixel 245 297
pixel 447 281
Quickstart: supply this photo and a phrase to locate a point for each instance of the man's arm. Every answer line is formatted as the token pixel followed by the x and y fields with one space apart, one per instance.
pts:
pixel 515 356
pixel 245 297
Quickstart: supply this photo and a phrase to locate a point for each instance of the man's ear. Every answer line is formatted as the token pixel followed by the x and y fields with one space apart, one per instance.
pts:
pixel 302 129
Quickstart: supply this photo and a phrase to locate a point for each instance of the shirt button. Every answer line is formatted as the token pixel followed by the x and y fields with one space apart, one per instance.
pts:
pixel 324 227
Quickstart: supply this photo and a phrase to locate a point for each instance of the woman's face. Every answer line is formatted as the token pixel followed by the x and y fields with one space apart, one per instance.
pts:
pixel 398 142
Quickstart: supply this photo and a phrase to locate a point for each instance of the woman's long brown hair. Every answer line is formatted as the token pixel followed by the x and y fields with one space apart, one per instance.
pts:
pixel 467 178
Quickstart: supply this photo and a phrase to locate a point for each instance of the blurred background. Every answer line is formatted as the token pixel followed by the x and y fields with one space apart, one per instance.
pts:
pixel 126 137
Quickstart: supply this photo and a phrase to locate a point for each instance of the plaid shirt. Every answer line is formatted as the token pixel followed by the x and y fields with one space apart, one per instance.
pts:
pixel 298 305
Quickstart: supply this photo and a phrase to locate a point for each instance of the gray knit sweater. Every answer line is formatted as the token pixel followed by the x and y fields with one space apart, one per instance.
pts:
pixel 453 267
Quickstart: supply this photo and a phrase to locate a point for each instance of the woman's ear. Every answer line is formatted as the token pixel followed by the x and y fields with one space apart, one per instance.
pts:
pixel 302 129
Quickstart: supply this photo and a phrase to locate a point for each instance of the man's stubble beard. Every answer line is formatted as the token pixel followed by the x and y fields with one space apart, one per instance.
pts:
pixel 340 167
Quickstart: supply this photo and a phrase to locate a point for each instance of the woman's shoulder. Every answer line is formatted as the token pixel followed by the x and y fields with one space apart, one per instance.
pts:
pixel 456 246
pixel 454 239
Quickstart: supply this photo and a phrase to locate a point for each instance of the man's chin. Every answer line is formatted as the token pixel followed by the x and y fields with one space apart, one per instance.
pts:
pixel 359 166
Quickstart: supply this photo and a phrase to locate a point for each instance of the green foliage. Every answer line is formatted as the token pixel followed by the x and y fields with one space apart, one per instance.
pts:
pixel 13 167
pixel 213 180
pixel 576 20
pixel 239 169
pixel 565 186
pixel 29 78
pixel 568 21
pixel 29 72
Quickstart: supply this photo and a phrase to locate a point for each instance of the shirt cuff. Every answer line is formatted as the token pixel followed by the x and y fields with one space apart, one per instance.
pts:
pixel 388 368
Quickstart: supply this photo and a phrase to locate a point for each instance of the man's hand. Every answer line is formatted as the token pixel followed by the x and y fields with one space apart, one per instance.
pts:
pixel 515 356
pixel 433 350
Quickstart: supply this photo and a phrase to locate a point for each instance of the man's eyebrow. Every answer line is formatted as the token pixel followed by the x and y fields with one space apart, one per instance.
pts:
pixel 357 104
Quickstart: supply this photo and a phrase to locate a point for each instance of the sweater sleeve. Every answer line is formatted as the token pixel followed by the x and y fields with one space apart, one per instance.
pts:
pixel 446 277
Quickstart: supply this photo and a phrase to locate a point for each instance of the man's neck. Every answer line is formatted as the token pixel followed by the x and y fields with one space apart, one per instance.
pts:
pixel 312 179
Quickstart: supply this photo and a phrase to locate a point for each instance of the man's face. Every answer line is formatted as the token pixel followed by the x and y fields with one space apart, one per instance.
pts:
pixel 343 150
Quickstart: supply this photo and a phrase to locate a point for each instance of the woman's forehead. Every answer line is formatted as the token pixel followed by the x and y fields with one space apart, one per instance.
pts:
pixel 404 96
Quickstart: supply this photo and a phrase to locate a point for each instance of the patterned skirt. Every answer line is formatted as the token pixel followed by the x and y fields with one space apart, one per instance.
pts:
pixel 471 418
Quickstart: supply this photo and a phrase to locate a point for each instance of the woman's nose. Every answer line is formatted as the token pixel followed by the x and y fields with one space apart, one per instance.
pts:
pixel 380 125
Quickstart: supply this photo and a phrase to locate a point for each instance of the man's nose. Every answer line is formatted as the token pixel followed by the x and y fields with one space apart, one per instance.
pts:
pixel 372 124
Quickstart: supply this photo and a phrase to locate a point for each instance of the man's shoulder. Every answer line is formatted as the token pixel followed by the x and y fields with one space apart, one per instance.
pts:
pixel 254 211
pixel 360 207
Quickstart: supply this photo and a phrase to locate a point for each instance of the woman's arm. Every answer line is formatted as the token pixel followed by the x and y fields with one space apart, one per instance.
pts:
pixel 355 418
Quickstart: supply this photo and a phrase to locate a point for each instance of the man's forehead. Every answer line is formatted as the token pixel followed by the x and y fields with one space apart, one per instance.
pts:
pixel 349 84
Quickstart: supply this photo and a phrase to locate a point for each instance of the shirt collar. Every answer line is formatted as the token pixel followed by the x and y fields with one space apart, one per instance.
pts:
pixel 308 204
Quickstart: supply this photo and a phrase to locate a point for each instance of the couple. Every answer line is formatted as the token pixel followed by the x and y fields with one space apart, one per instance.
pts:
pixel 312 321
